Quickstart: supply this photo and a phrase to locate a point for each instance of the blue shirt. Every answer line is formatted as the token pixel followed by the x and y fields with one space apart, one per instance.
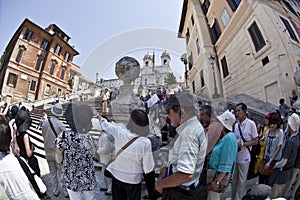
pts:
pixel 223 155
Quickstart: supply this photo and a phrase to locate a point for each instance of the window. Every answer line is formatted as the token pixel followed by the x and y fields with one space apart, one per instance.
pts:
pixel 57 49
pixel 19 55
pixel 165 61
pixel 192 19
pixel 205 6
pixel 32 85
pixel 12 80
pixel 187 36
pixel 224 67
pixel 193 86
pixel 234 4
pixel 256 37
pixel 290 7
pixel 52 67
pixel 28 35
pixel 198 46
pixel 215 32
pixel 225 17
pixel 289 29
pixel 44 44
pixel 202 78
pixel 147 63
pixel 62 74
pixel 190 60
pixel 265 61
pixel 38 63
pixel 67 56
pixel 47 89
pixel 72 75
pixel 59 92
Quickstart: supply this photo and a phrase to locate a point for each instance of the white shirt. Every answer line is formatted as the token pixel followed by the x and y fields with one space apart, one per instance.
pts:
pixel 249 131
pixel 135 160
pixel 14 181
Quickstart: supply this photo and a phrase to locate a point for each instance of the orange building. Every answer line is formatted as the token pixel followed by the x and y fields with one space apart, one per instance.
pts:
pixel 37 63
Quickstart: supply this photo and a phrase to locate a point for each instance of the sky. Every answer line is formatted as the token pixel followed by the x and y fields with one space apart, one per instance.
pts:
pixel 103 31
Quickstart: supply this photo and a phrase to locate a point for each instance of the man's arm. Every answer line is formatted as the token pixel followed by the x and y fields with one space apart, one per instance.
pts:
pixel 174 180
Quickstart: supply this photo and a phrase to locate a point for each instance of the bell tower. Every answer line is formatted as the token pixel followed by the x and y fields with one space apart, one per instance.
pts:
pixel 165 58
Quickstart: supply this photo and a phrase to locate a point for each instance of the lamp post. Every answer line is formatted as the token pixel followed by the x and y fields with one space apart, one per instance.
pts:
pixel 184 60
pixel 212 61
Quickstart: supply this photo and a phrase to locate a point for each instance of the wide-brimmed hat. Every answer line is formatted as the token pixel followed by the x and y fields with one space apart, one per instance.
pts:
pixel 79 117
pixel 227 119
pixel 294 121
pixel 182 99
pixel 23 121
pixel 57 110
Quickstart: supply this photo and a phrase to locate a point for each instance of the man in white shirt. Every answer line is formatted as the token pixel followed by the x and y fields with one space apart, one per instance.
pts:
pixel 187 156
pixel 128 167
pixel 246 134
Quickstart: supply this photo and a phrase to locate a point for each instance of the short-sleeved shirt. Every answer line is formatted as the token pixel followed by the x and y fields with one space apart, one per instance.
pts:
pixel 289 152
pixel 223 155
pixel 135 160
pixel 272 143
pixel 249 132
pixel 189 149
pixel 78 166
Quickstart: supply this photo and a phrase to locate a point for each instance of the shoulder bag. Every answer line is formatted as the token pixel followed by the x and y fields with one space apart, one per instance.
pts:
pixel 53 130
pixel 253 155
pixel 106 172
pixel 212 174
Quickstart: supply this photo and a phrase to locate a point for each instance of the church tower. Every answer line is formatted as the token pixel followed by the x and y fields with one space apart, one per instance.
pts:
pixel 165 58
pixel 148 60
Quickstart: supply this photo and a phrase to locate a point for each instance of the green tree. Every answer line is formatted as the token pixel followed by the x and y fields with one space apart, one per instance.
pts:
pixel 71 83
pixel 170 79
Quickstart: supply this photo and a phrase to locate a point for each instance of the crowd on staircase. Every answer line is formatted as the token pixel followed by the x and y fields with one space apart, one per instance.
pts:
pixel 177 145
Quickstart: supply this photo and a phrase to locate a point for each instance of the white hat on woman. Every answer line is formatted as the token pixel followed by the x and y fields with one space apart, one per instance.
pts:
pixel 227 119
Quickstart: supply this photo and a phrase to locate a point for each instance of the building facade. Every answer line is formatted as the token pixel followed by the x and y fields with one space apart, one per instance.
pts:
pixel 152 75
pixel 242 47
pixel 37 63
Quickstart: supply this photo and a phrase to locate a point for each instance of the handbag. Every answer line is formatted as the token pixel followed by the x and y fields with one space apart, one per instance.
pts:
pixel 268 171
pixel 107 173
pixel 34 179
pixel 212 174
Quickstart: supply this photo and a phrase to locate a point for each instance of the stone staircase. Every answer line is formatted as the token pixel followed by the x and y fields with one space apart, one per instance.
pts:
pixel 36 135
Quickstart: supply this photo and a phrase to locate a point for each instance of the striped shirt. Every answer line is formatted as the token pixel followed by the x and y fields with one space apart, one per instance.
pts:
pixel 189 150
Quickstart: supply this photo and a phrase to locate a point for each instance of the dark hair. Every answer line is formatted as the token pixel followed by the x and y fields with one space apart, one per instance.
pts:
pixel 23 121
pixel 209 111
pixel 275 118
pixel 138 122
pixel 281 101
pixel 5 134
pixel 243 106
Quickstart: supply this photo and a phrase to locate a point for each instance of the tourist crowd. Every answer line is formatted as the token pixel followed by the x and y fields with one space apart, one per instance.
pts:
pixel 196 154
